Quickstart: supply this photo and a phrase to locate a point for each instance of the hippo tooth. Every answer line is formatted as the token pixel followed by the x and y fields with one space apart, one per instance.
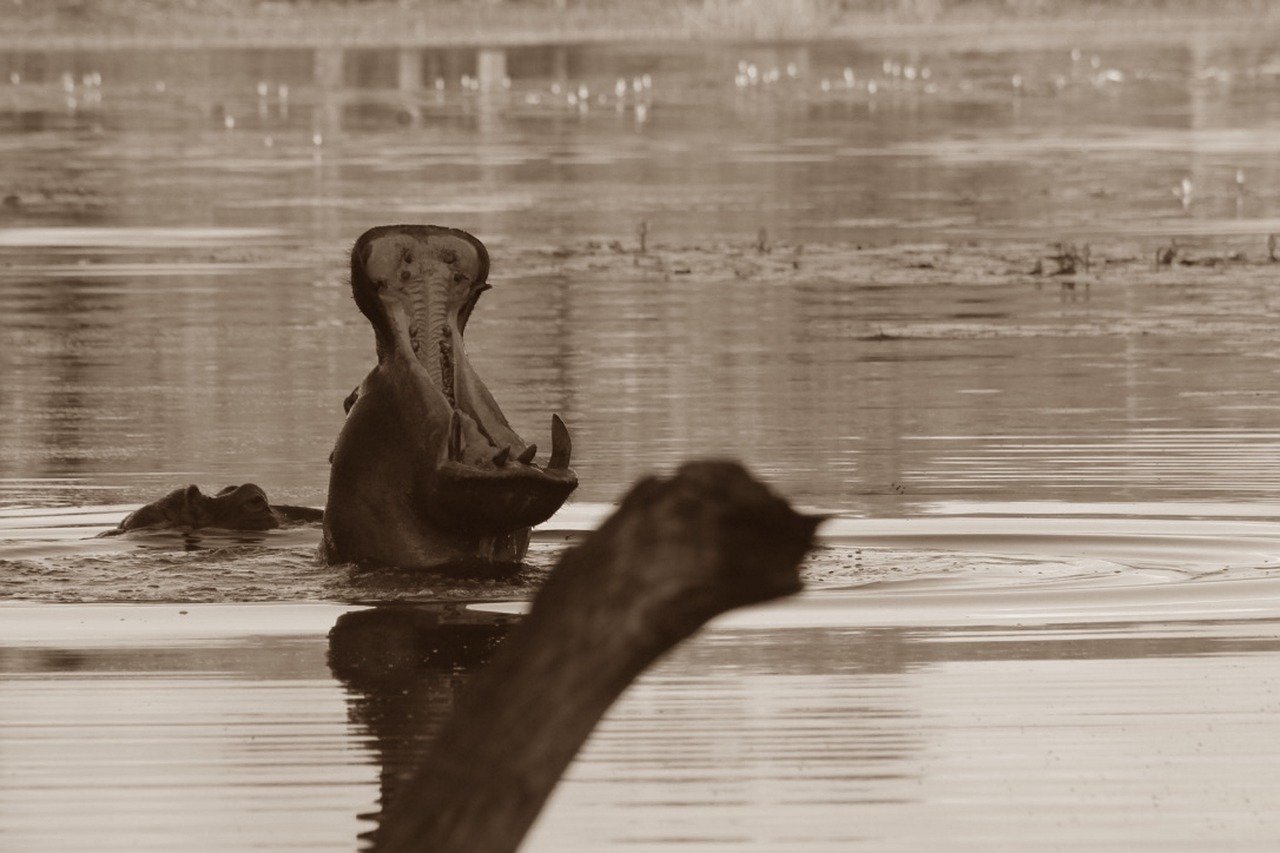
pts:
pixel 455 437
pixel 500 458
pixel 561 445
pixel 526 456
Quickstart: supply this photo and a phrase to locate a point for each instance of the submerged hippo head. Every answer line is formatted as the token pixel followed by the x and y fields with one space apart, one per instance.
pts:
pixel 243 507
pixel 426 469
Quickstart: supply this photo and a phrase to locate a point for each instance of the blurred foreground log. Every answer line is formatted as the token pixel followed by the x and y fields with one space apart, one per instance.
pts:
pixel 677 553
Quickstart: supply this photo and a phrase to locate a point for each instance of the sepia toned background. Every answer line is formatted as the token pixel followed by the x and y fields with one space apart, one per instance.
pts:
pixel 993 282
pixel 839 282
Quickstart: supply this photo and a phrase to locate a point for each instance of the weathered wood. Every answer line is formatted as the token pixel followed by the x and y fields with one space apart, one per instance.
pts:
pixel 675 554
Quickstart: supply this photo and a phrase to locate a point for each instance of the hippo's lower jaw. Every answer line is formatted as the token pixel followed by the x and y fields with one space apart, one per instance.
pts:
pixel 426 469
pixel 497 498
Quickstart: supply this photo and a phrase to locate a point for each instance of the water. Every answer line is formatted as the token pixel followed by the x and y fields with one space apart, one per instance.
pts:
pixel 1046 617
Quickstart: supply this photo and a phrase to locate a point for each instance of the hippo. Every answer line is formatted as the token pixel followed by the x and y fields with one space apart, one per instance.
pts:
pixel 243 507
pixel 426 471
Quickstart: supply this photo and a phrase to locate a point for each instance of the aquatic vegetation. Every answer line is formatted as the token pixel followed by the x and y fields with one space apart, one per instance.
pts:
pixel 1068 258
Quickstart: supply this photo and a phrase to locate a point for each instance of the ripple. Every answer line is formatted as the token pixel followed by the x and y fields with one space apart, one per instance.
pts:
pixel 131 237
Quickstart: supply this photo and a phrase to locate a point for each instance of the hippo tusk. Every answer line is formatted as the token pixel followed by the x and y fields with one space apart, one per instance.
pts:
pixel 561 445
pixel 526 457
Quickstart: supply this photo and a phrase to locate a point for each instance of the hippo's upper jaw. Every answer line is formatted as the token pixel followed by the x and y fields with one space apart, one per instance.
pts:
pixel 423 420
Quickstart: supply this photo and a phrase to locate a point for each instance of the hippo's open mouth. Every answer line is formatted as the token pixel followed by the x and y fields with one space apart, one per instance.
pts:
pixel 417 285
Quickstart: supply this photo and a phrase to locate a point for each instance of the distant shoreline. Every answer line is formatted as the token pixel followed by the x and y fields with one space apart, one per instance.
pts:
pixel 35 25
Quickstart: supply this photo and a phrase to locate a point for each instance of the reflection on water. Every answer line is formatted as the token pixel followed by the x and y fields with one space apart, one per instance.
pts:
pixel 162 730
pixel 902 739
pixel 1048 617
pixel 403 668
pixel 900 718
pixel 173 306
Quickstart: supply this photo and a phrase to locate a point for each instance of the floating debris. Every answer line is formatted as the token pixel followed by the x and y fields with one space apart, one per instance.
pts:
pixel 1183 192
pixel 1068 259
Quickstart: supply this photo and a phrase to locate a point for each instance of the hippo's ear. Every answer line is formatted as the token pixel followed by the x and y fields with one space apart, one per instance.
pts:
pixel 193 506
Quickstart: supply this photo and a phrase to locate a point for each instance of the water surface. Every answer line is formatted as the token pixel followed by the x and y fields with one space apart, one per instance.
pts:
pixel 1045 618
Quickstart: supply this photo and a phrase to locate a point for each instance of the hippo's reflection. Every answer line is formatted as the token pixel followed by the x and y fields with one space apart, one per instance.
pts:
pixel 404 665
